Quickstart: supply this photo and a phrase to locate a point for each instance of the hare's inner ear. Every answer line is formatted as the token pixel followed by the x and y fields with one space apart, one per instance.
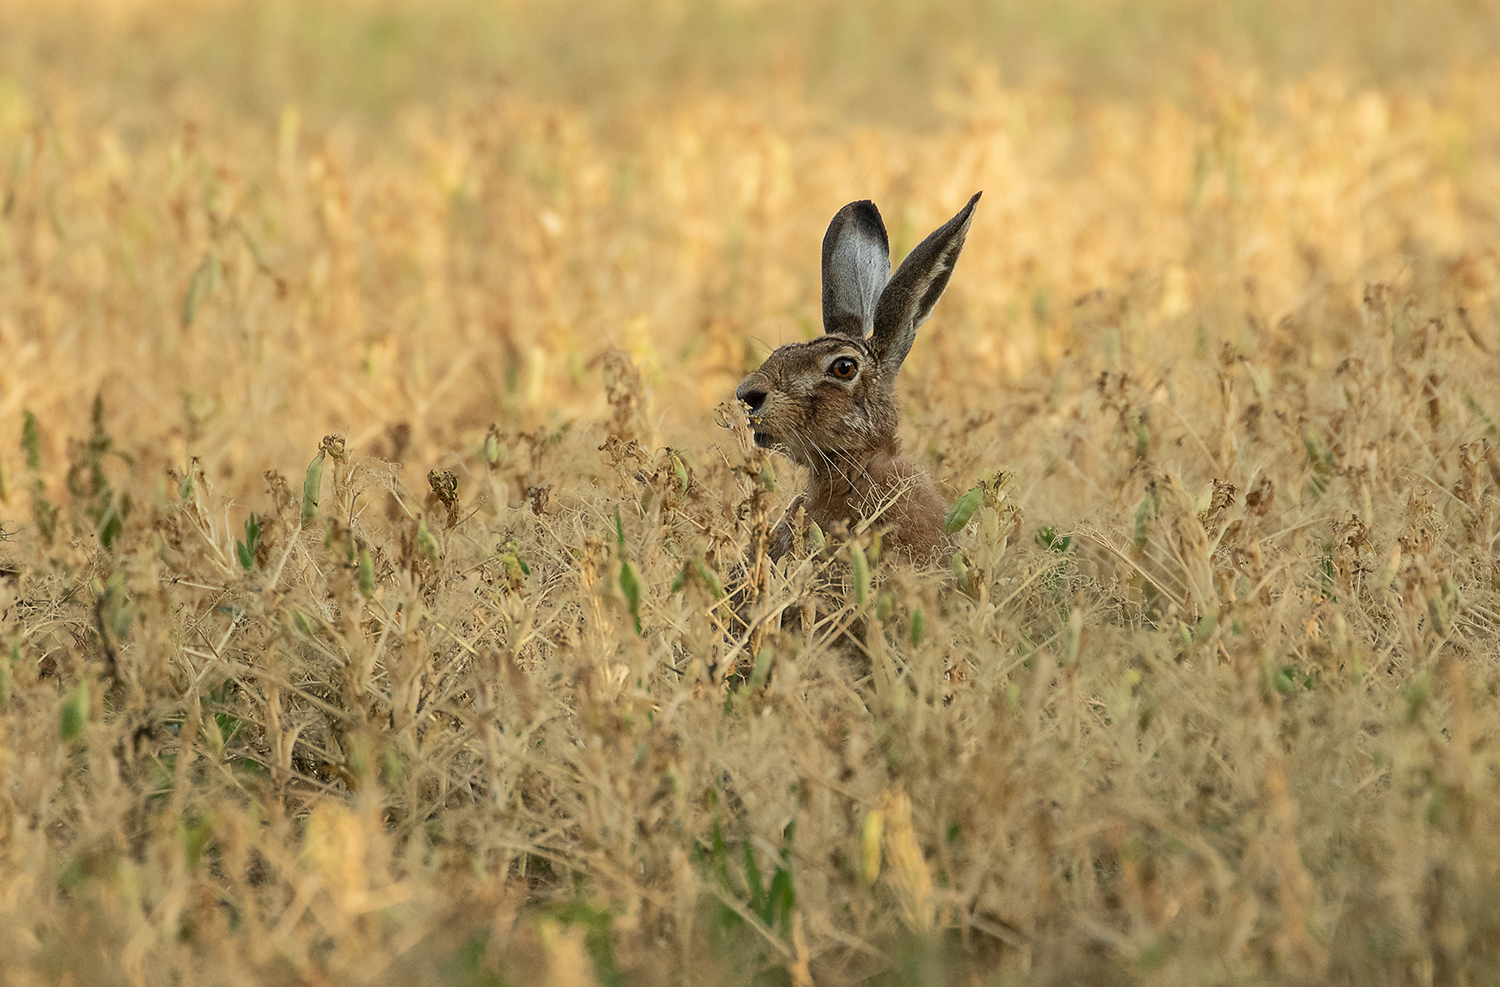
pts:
pixel 856 266
pixel 916 287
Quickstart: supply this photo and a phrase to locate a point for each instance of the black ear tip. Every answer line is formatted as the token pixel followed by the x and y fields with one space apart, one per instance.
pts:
pixel 861 216
pixel 864 213
pixel 961 219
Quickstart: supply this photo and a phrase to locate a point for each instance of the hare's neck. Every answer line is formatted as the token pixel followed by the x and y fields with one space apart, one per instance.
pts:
pixel 850 478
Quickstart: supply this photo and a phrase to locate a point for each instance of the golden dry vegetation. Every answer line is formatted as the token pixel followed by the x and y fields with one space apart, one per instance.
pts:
pixel 1210 694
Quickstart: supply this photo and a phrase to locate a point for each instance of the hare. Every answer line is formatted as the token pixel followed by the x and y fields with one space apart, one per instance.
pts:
pixel 830 404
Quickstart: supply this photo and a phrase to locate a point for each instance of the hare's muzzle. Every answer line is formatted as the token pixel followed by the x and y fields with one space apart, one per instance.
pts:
pixel 752 394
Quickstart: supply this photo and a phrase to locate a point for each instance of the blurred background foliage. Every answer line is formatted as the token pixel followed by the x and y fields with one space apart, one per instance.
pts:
pixel 878 62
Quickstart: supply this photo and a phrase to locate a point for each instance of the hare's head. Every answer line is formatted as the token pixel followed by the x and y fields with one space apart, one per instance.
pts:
pixel 834 398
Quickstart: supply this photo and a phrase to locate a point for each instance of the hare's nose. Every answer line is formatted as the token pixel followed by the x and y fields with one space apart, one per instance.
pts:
pixel 751 395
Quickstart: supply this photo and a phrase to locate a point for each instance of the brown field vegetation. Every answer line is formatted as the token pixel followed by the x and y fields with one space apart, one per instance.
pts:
pixel 1210 694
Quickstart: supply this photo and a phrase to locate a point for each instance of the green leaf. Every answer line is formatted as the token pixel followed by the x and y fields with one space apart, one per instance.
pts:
pixel 366 574
pixel 111 524
pixel 75 712
pixel 1047 537
pixel 1437 613
pixel 312 487
pixel 783 898
pixel 762 668
pixel 43 514
pixel 963 508
pixel 1142 437
pixel 194 838
pixel 1144 514
pixel 710 578
pixel 859 569
pixel 245 550
pixel 1416 693
pixel 427 544
pixel 918 626
pixel 630 585
pixel 960 571
pixel 31 442
pixel 752 878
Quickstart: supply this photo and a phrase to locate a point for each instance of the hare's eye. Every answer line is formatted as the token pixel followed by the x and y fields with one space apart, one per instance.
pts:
pixel 843 368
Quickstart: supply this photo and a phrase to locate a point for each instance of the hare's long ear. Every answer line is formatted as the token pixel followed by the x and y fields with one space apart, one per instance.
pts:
pixel 856 266
pixel 916 287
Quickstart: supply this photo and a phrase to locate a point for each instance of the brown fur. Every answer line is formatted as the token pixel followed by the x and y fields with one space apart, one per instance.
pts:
pixel 843 429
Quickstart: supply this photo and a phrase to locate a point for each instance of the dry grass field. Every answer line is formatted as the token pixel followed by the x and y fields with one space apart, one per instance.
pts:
pixel 369 502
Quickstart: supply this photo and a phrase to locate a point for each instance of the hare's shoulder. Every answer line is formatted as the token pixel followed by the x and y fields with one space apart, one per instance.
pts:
pixel 915 514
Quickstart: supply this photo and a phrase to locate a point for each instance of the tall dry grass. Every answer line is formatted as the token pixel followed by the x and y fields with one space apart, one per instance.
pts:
pixel 1208 697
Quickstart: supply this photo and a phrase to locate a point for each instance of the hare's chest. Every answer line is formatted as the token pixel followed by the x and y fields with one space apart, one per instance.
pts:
pixel 904 505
